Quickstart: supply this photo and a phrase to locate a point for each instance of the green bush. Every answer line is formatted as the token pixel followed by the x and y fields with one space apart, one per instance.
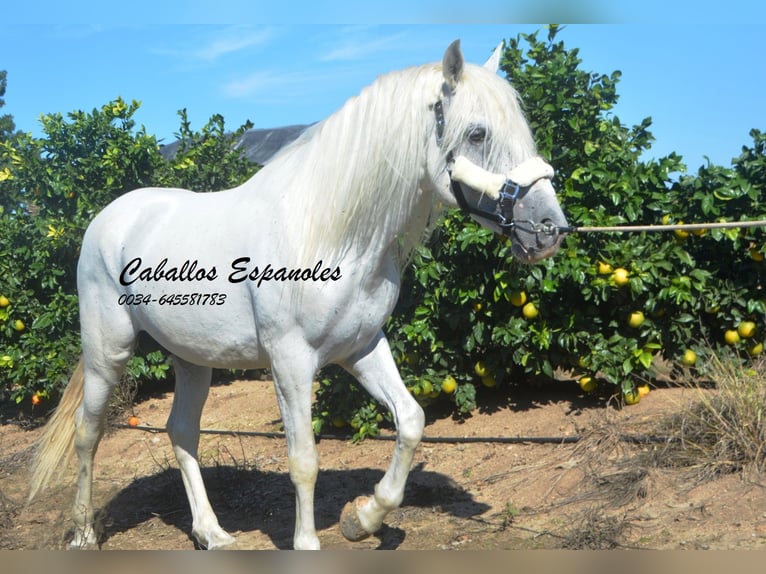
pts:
pixel 461 315
pixel 50 189
pixel 53 187
pixel 460 328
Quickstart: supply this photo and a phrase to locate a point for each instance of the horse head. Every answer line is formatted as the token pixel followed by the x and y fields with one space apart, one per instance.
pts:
pixel 488 164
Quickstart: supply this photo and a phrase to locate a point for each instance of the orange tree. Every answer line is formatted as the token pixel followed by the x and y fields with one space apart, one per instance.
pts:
pixel 53 187
pixel 606 306
pixel 50 189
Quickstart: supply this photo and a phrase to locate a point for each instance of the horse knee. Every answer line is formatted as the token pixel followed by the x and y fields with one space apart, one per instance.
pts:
pixel 304 468
pixel 410 427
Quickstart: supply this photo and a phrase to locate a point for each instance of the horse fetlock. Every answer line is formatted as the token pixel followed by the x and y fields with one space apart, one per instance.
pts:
pixel 85 535
pixel 387 498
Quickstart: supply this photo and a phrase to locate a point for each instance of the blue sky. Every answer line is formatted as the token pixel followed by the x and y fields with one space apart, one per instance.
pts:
pixel 701 80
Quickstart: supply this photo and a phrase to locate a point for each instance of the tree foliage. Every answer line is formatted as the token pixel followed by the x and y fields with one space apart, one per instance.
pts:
pixel 462 312
pixel 7 126
pixel 471 320
pixel 50 189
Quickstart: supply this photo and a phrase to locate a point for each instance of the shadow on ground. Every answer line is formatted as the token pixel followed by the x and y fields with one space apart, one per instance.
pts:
pixel 247 500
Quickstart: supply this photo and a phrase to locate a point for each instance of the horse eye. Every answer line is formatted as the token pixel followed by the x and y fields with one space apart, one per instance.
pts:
pixel 477 135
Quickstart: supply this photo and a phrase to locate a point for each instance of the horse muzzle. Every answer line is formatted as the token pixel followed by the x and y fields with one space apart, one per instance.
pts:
pixel 525 205
pixel 538 224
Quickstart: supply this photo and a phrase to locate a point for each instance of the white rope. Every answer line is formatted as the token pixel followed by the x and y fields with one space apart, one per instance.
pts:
pixel 666 227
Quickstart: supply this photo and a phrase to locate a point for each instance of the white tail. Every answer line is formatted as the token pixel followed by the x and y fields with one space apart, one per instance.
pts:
pixel 56 445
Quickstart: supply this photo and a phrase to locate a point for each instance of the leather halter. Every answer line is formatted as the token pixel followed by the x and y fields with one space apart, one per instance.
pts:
pixel 508 194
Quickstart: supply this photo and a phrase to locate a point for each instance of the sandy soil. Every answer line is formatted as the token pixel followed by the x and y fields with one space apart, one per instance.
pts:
pixel 597 493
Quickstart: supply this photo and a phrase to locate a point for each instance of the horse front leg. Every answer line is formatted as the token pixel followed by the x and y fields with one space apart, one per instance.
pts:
pixel 293 376
pixel 376 371
pixel 192 387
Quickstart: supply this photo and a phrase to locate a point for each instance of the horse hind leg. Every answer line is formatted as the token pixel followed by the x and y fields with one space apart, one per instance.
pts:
pixel 376 371
pixel 192 386
pixel 104 361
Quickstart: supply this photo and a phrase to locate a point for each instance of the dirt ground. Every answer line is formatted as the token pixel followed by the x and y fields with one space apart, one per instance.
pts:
pixel 595 493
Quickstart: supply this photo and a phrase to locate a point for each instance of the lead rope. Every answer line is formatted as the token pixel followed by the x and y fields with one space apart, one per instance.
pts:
pixel 552 229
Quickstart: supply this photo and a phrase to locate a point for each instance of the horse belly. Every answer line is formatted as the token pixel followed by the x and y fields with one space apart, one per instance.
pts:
pixel 206 335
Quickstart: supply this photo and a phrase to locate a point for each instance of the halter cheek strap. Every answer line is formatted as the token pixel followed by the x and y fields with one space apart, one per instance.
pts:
pixel 507 196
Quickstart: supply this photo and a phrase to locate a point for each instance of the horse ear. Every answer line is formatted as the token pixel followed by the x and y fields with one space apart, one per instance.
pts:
pixel 452 64
pixel 494 60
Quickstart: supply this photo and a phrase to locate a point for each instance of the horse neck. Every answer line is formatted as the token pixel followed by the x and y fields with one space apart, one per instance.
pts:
pixel 358 173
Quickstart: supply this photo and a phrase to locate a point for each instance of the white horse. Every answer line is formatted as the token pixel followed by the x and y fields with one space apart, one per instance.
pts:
pixel 298 268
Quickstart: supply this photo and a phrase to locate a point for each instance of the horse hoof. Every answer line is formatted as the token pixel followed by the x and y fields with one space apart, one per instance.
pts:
pixel 84 539
pixel 350 525
pixel 217 540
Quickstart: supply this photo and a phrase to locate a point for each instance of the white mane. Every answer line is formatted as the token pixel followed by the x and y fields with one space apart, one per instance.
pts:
pixel 359 170
pixel 484 95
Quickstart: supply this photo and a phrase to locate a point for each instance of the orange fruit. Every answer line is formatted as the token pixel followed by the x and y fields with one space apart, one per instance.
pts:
pixel 681 233
pixel 731 337
pixel 518 298
pixel 35 399
pixel 587 384
pixel 746 329
pixel 636 319
pixel 632 397
pixel 488 381
pixel 480 368
pixel 530 311
pixel 689 358
pixel 449 384
pixel 133 421
pixel 620 276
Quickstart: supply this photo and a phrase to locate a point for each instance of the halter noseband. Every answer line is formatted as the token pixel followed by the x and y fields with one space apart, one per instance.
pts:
pixel 508 193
